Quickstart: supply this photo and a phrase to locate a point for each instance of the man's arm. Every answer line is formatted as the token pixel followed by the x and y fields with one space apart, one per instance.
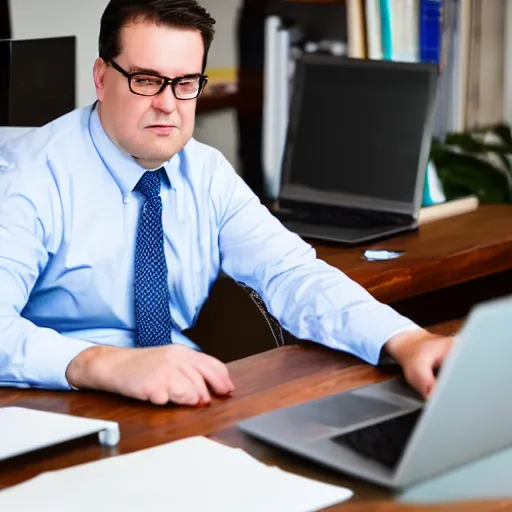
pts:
pixel 30 224
pixel 311 299
pixel 29 210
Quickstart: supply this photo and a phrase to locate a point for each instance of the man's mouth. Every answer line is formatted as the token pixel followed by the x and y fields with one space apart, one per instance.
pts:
pixel 163 129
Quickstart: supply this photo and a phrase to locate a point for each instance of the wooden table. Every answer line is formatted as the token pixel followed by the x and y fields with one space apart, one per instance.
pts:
pixel 277 378
pixel 441 256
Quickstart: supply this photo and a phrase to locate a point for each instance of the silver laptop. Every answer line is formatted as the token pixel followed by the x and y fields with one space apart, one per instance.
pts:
pixel 357 148
pixel 386 434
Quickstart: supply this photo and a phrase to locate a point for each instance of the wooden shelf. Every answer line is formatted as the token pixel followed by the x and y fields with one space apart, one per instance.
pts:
pixel 215 99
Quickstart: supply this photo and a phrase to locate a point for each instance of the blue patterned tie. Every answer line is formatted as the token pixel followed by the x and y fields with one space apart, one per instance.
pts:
pixel 151 287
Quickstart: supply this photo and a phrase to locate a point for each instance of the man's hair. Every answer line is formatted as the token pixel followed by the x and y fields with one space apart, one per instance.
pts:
pixel 187 14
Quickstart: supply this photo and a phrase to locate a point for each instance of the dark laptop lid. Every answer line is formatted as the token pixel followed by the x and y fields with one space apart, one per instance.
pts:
pixel 359 133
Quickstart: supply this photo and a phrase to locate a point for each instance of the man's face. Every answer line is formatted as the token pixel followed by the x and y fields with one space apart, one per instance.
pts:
pixel 150 128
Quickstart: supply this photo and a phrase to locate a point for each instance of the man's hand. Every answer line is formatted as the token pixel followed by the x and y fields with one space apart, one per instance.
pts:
pixel 419 353
pixel 172 373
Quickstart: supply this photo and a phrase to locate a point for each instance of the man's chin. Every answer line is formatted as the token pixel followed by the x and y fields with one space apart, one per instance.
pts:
pixel 158 149
pixel 153 159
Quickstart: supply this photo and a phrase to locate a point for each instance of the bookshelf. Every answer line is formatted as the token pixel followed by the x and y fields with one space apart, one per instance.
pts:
pixel 220 99
pixel 471 55
pixel 465 38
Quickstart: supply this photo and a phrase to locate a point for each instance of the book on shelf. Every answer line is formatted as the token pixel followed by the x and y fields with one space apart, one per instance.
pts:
pixel 466 38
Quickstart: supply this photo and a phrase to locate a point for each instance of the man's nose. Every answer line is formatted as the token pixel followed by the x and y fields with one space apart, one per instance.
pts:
pixel 165 101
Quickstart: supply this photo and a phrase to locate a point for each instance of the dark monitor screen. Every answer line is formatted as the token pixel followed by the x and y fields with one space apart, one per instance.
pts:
pixel 359 127
pixel 37 80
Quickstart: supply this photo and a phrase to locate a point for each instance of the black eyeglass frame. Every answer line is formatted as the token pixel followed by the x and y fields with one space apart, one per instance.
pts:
pixel 172 82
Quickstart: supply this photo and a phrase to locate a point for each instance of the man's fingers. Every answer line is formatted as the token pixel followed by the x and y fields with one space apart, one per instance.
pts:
pixel 182 390
pixel 217 378
pixel 420 376
pixel 428 366
pixel 198 381
pixel 220 369
pixel 445 345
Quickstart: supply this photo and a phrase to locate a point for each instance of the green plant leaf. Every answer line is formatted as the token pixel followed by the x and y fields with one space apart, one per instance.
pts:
pixel 461 180
pixel 476 162
pixel 504 133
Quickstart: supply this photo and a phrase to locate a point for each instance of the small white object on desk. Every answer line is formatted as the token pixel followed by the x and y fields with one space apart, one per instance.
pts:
pixel 25 430
pixel 194 474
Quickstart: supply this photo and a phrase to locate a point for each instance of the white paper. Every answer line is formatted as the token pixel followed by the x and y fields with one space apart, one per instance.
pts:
pixel 187 475
pixel 24 430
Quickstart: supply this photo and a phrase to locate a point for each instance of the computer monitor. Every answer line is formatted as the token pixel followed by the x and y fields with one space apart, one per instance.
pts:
pixel 37 80
pixel 359 133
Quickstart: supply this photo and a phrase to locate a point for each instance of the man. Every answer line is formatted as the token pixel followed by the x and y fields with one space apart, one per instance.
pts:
pixel 115 222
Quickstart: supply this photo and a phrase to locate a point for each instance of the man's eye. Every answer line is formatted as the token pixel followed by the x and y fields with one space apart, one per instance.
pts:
pixel 147 80
pixel 188 84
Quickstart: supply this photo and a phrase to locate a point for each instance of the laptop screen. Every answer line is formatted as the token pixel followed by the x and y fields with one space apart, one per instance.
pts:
pixel 360 127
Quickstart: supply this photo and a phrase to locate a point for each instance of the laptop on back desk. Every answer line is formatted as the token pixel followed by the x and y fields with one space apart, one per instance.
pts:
pixel 357 148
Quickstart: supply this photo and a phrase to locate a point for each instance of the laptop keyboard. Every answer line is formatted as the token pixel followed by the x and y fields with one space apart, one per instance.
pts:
pixel 326 215
pixel 383 442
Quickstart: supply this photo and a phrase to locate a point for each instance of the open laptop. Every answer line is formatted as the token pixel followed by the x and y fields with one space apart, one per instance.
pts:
pixel 357 148
pixel 386 434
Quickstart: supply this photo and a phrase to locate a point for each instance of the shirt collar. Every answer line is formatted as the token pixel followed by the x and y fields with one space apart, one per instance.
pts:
pixel 125 170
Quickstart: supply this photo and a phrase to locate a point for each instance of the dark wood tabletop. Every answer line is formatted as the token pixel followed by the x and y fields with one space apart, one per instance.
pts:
pixel 440 254
pixel 264 382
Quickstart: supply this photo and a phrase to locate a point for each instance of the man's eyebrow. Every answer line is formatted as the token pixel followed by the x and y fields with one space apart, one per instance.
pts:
pixel 137 69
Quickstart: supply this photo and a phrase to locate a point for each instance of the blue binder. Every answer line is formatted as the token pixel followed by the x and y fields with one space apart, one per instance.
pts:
pixel 430 43
pixel 430 30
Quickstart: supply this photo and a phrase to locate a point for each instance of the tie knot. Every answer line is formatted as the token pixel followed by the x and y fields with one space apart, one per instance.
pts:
pixel 149 184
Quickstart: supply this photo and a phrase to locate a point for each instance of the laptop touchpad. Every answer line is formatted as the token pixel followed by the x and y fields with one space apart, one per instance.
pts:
pixel 339 413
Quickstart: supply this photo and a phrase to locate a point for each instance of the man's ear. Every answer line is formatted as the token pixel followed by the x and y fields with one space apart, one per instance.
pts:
pixel 99 71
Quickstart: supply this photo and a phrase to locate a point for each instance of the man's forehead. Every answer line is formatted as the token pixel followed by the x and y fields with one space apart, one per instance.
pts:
pixel 168 51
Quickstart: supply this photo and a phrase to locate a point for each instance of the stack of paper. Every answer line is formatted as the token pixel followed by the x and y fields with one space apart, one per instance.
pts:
pixel 187 475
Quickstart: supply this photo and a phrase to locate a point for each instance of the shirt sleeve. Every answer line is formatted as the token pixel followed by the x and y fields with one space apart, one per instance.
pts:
pixel 311 299
pixel 30 356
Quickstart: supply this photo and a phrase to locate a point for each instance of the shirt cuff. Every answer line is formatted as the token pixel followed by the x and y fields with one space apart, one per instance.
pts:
pixel 374 328
pixel 385 358
pixel 48 357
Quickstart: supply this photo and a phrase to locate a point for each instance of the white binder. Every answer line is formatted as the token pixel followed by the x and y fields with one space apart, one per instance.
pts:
pixel 26 430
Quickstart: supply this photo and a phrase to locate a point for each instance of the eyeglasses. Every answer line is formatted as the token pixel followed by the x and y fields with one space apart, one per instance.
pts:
pixel 150 84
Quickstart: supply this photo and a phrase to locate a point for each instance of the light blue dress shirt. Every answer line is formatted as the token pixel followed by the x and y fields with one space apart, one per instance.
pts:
pixel 68 220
